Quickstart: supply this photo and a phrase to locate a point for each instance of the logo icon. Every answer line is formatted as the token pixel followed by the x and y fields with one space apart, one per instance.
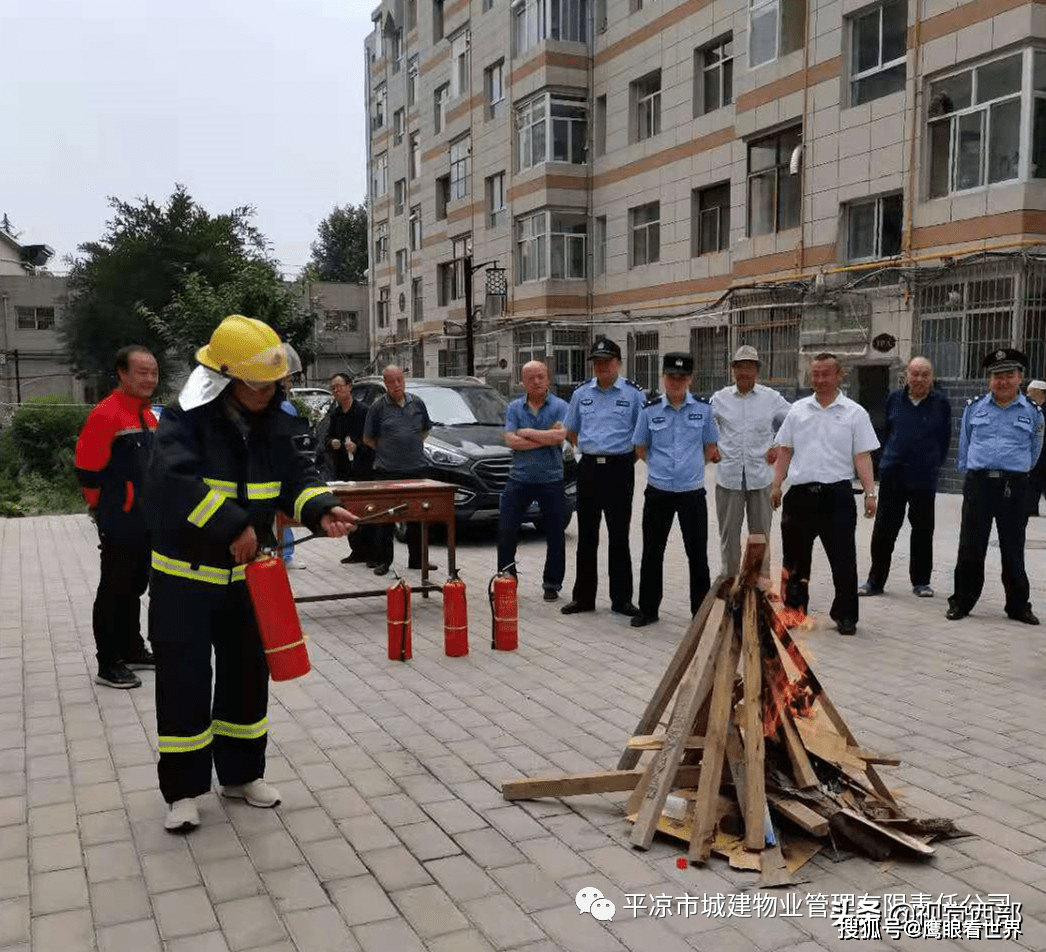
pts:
pixel 591 900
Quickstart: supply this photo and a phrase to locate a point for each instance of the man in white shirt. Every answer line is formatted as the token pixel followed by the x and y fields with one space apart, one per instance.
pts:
pixel 823 439
pixel 747 415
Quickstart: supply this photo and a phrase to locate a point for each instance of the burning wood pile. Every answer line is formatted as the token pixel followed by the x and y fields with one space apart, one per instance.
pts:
pixel 752 737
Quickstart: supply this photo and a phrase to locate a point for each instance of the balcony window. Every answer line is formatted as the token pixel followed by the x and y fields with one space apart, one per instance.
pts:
pixel 440 98
pixel 415 228
pixel 400 195
pixel 567 143
pixel 873 228
pixel 710 219
pixel 775 28
pixel 417 298
pixel 646 99
pixel 531 248
pixel 878 52
pixel 397 127
pixel 381 242
pixel 644 223
pixel 460 167
pixel 379 177
pixel 494 88
pixel 459 64
pixel 714 76
pixel 774 194
pixel 384 304
pixel 534 21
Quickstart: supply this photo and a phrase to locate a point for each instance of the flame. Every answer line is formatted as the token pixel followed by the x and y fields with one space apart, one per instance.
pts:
pixel 795 696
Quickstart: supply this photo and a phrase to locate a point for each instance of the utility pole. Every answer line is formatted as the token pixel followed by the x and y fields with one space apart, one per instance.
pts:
pixel 495 284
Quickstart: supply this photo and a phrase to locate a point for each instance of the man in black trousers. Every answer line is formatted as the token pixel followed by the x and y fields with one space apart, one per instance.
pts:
pixel 918 431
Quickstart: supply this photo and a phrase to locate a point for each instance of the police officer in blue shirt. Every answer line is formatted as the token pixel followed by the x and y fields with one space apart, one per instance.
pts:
pixel 999 440
pixel 676 435
pixel 600 421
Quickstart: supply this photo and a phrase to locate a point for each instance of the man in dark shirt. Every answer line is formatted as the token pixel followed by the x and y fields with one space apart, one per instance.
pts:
pixel 918 431
pixel 396 429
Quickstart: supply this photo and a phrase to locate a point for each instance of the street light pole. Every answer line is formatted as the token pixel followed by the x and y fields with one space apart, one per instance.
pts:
pixel 470 344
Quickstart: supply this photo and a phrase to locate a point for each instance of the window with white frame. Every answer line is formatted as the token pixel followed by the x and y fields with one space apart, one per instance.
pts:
pixel 714 75
pixel 978 131
pixel 460 167
pixel 878 51
pixel 384 305
pixel 440 98
pixel 710 219
pixel 451 274
pixel 494 88
pixel 644 224
pixel 495 189
pixel 412 80
pixel 380 99
pixel 873 228
pixel 459 63
pixel 35 318
pixel 599 245
pixel 562 236
pixel 396 50
pixel 415 228
pixel 381 242
pixel 397 127
pixel 531 247
pixel 646 100
pixel 379 177
pixel 415 155
pixel 569 130
pixel 775 28
pixel 401 265
pixel 774 194
pixel 417 301
pixel 534 21
pixel 400 196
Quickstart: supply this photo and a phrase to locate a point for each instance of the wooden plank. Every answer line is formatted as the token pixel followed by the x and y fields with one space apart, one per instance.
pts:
pixel 801 815
pixel 705 810
pixel 692 692
pixel 799 659
pixel 676 669
pixel 573 785
pixel 802 771
pixel 755 768
pixel 888 837
pixel 657 741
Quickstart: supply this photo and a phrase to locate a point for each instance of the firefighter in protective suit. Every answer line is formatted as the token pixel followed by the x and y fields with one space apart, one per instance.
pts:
pixel 223 463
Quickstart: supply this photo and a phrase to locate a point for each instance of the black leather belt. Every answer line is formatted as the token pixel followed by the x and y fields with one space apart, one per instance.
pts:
pixel 820 487
pixel 999 473
pixel 606 457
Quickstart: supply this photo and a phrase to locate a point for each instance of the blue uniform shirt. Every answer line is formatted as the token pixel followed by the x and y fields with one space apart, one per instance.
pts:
pixel 994 437
pixel 543 464
pixel 604 420
pixel 675 442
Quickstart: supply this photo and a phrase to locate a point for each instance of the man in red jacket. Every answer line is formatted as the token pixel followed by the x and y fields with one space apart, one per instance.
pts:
pixel 111 457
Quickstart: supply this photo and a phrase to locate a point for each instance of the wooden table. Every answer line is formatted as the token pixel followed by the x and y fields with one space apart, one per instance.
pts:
pixel 414 500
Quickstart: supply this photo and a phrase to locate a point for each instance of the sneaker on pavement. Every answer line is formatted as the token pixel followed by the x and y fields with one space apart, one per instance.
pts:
pixel 257 793
pixel 295 564
pixel 117 675
pixel 923 591
pixel 142 660
pixel 869 589
pixel 182 816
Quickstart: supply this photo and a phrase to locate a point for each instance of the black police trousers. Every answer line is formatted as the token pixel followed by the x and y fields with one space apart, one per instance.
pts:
pixel 117 614
pixel 659 508
pixel 604 489
pixel 187 620
pixel 824 511
pixel 1002 499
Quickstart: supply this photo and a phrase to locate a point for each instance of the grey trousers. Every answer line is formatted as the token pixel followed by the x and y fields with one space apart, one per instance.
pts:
pixel 731 505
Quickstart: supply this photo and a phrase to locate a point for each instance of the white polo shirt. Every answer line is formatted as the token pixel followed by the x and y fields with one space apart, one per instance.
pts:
pixel 825 440
pixel 747 424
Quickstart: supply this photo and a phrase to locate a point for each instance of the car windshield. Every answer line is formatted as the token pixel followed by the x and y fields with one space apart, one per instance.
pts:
pixel 464 407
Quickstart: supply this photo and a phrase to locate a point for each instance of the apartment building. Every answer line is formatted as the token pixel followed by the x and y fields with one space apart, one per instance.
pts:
pixel 800 175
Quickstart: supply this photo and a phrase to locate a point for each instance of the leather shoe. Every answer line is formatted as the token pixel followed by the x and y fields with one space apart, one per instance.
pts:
pixel 353 558
pixel 1027 616
pixel 574 608
pixel 551 595
pixel 639 620
pixel 416 566
pixel 630 610
pixel 954 613
pixel 846 626
pixel 382 569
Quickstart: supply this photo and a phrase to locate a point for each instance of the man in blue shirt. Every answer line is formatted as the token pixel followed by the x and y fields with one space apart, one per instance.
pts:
pixel 1000 436
pixel 535 433
pixel 600 422
pixel 675 434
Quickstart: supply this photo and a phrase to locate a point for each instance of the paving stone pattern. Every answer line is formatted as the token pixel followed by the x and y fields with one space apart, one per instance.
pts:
pixel 393 835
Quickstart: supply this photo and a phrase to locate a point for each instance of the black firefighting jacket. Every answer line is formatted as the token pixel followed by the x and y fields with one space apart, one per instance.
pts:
pixel 215 470
pixel 112 454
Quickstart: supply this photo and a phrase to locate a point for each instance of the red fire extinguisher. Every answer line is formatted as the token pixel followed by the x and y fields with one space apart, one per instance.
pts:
pixel 503 611
pixel 455 618
pixel 397 614
pixel 277 617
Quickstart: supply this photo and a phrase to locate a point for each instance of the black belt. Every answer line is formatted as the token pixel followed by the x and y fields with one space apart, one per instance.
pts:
pixel 820 487
pixel 998 473
pixel 607 457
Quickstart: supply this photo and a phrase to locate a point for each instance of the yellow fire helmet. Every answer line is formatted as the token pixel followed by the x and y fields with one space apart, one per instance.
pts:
pixel 246 349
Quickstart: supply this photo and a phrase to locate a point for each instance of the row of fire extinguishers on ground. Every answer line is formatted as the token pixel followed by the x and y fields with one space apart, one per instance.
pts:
pixel 284 641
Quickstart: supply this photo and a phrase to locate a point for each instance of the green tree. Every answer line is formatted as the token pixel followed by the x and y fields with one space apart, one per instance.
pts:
pixel 340 252
pixel 154 257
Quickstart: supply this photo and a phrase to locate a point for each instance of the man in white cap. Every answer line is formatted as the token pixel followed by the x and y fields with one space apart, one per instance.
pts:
pixel 747 416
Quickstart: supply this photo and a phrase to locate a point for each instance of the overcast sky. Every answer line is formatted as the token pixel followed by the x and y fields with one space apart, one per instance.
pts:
pixel 256 102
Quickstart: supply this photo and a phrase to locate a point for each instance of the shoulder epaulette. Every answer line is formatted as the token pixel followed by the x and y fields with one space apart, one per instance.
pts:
pixel 633 383
pixel 973 400
pixel 700 398
pixel 652 403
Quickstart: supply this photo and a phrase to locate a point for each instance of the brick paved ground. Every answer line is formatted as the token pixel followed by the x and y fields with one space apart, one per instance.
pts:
pixel 393 836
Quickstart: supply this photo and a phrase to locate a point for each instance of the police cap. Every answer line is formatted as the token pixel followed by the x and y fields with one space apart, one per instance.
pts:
pixel 1004 359
pixel 604 347
pixel 677 365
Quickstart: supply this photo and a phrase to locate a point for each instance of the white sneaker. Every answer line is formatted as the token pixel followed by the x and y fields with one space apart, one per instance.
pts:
pixel 257 793
pixel 295 564
pixel 182 816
